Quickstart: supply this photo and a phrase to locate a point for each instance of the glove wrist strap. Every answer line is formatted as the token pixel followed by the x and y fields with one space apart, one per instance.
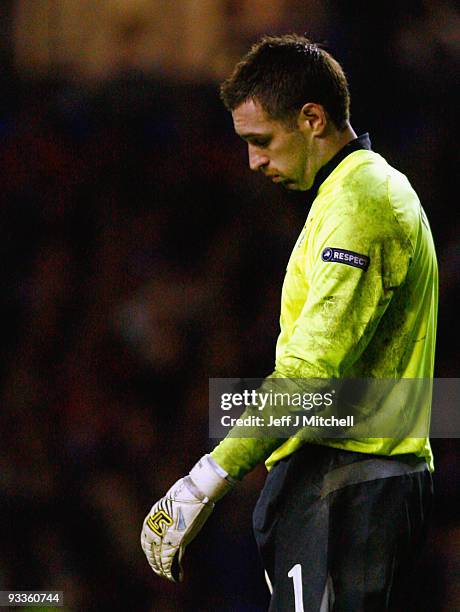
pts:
pixel 210 478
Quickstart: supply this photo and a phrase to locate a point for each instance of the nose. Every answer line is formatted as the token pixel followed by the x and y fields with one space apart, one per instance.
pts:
pixel 257 160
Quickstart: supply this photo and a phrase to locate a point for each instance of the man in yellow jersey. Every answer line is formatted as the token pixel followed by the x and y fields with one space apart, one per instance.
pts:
pixel 340 521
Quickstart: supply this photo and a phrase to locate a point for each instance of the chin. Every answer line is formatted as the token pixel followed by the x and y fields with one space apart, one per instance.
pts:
pixel 291 186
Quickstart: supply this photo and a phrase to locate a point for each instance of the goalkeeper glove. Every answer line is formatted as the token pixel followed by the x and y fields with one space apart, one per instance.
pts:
pixel 176 518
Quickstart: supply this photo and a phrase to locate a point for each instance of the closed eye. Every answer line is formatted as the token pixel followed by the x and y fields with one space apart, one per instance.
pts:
pixel 257 140
pixel 260 142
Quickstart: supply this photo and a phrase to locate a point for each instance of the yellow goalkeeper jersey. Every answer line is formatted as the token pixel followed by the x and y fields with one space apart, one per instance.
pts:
pixel 359 300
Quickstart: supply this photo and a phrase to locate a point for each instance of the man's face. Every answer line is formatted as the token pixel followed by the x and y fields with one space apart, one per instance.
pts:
pixel 284 155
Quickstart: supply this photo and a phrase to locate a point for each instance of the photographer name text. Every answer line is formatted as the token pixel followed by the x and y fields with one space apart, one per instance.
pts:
pixel 287 420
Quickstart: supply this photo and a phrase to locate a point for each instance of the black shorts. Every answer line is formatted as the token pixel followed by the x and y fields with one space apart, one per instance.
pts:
pixel 342 531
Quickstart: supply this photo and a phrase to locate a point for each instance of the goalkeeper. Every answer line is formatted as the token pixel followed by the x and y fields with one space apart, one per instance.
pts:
pixel 340 522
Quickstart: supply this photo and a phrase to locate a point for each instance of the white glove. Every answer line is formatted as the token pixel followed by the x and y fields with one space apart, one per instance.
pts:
pixel 176 518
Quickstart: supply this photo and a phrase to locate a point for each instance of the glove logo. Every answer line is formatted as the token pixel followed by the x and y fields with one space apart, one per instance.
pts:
pixel 155 522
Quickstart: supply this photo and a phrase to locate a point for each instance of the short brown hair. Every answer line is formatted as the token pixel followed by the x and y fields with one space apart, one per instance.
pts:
pixel 285 72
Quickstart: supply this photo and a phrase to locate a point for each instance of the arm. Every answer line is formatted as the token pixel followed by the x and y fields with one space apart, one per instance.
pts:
pixel 340 316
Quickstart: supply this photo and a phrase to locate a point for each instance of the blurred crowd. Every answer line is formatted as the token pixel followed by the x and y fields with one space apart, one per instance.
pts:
pixel 141 258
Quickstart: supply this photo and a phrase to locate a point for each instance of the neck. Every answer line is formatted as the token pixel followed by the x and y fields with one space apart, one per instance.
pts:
pixel 346 136
pixel 330 145
pixel 335 141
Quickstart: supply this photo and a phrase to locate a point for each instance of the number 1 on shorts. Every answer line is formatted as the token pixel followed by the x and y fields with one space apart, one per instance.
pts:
pixel 296 574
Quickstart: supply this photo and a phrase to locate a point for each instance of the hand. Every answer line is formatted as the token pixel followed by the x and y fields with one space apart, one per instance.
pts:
pixel 176 518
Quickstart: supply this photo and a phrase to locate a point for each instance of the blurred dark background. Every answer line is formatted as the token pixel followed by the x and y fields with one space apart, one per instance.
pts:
pixel 141 257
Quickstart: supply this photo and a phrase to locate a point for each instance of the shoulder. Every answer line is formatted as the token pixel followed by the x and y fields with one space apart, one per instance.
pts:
pixel 366 192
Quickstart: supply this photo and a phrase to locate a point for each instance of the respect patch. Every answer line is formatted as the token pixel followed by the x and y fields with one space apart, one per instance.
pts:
pixel 350 258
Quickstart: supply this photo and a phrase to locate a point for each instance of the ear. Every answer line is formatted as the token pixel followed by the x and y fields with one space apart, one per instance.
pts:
pixel 313 117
